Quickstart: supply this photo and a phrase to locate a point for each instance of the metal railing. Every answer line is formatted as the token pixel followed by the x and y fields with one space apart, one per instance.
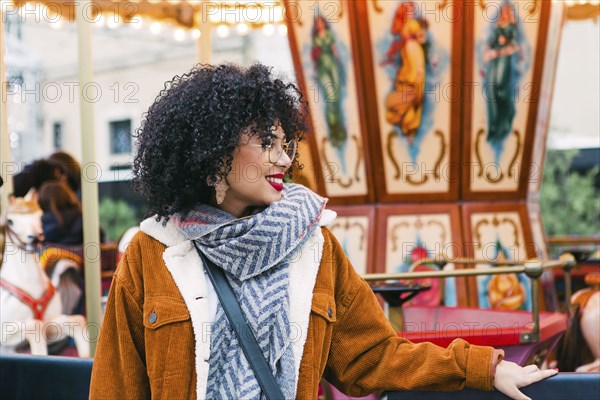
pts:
pixel 532 268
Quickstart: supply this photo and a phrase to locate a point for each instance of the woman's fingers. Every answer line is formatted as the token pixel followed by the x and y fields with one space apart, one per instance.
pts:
pixel 531 368
pixel 539 375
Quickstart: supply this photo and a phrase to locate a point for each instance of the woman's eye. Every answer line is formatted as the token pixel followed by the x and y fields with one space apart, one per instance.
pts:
pixel 267 143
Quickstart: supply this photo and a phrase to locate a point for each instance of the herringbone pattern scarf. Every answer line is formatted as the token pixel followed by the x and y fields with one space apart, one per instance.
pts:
pixel 254 252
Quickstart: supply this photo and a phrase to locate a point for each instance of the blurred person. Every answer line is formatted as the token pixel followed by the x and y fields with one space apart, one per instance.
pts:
pixel 71 170
pixel 34 175
pixel 62 220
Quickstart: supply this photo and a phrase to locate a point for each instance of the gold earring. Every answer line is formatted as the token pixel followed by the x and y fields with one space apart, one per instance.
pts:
pixel 220 190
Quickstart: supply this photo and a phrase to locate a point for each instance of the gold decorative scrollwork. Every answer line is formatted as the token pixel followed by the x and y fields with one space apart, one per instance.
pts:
pixel 329 166
pixel 481 223
pixel 515 229
pixel 443 229
pixel 394 236
pixel 497 179
pixel 533 9
pixel 514 159
pixel 390 150
pixel 376 6
pixel 496 222
pixel 359 154
pixel 410 180
pixel 436 168
pixel 438 162
pixel 346 226
pixel 477 153
pixel 332 172
pixel 418 223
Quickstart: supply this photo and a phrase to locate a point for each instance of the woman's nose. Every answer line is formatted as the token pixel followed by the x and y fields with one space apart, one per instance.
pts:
pixel 284 160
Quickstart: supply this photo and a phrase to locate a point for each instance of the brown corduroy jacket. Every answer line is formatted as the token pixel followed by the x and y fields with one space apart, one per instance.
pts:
pixel 150 346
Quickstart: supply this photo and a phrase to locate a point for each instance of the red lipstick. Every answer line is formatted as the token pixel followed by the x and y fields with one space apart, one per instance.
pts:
pixel 275 182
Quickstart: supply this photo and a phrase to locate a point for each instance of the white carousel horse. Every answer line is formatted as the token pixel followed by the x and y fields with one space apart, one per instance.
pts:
pixel 30 309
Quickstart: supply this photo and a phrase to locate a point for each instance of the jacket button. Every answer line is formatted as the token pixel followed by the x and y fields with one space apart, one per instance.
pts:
pixel 330 313
pixel 152 317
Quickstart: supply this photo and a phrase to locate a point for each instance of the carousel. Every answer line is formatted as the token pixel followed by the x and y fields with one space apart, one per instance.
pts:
pixel 427 131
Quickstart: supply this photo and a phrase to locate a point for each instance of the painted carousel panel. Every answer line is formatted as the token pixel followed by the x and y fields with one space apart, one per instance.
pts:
pixel 407 234
pixel 354 228
pixel 510 58
pixel 497 232
pixel 325 58
pixel 412 53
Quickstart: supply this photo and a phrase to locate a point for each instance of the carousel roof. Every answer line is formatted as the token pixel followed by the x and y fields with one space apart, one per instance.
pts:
pixel 184 13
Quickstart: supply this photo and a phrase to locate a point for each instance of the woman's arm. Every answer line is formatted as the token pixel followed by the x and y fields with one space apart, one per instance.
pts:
pixel 119 370
pixel 366 355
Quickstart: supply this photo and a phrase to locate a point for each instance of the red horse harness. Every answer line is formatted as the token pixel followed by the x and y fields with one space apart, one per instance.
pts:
pixel 38 306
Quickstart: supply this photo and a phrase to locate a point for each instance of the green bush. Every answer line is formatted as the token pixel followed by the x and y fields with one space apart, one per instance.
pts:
pixel 569 201
pixel 116 216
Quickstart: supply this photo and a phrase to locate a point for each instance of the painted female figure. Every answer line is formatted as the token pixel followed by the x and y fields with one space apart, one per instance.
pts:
pixel 405 103
pixel 500 75
pixel 331 79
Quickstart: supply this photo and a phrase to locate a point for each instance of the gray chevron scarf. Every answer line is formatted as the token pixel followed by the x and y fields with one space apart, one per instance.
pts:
pixel 254 252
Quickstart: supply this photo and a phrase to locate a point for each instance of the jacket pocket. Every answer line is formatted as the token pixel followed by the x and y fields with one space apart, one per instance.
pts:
pixel 169 351
pixel 322 321
pixel 160 311
pixel 323 304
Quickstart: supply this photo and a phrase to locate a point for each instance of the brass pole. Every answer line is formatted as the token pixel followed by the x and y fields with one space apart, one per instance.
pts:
pixel 533 269
pixel 89 183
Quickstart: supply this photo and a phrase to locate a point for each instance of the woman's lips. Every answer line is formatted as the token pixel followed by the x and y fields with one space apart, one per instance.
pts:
pixel 276 181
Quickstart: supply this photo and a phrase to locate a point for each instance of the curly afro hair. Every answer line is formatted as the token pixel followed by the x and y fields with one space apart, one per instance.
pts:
pixel 188 135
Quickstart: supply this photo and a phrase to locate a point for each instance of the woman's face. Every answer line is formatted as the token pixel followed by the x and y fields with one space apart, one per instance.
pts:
pixel 253 179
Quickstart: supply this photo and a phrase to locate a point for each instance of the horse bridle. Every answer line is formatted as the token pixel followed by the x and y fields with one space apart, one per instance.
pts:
pixel 7 232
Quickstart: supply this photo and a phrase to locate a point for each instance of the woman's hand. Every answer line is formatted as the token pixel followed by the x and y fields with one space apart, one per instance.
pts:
pixel 510 377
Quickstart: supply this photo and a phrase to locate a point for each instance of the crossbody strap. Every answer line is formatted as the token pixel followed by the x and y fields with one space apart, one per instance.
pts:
pixel 234 313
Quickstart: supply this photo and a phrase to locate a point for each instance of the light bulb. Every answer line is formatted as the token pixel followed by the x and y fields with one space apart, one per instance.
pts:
pixel 222 31
pixel 268 29
pixel 282 29
pixel 156 28
pixel 179 35
pixel 242 29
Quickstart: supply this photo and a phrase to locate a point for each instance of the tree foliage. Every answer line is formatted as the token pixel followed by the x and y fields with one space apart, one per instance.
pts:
pixel 569 200
pixel 116 216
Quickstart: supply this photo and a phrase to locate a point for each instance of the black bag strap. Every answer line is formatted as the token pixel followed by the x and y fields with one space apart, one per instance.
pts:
pixel 234 313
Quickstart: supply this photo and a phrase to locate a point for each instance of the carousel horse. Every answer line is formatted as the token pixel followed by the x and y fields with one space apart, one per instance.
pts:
pixel 30 309
pixel 580 347
pixel 64 267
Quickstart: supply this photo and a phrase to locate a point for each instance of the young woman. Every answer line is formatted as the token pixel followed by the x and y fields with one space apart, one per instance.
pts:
pixel 212 154
pixel 62 220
